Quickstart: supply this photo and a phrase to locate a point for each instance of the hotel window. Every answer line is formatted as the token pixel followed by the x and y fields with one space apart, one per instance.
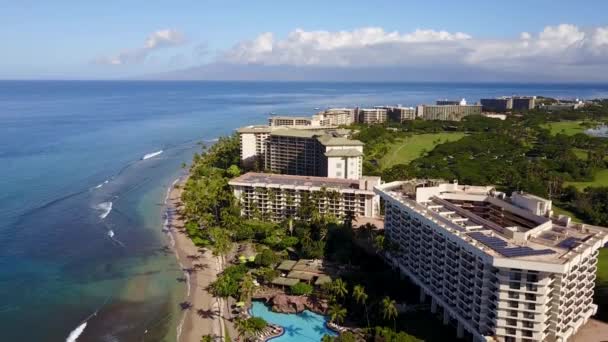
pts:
pixel 527 333
pixel 531 306
pixel 339 165
pixel 513 304
pixel 511 331
pixel 530 296
pixel 512 322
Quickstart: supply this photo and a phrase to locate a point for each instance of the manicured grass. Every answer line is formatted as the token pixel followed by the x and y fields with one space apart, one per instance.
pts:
pixel 600 179
pixel 580 153
pixel 565 127
pixel 405 150
pixel 602 267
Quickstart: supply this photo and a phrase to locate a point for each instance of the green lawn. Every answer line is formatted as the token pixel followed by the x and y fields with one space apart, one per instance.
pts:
pixel 602 267
pixel 580 153
pixel 565 127
pixel 560 211
pixel 405 150
pixel 600 179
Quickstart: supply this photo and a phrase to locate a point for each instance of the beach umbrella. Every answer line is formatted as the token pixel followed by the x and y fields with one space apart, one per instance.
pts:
pixel 240 304
pixel 251 258
pixel 242 259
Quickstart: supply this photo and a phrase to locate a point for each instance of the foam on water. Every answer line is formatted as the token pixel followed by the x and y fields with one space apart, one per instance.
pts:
pixel 106 208
pixel 151 155
pixel 102 184
pixel 74 334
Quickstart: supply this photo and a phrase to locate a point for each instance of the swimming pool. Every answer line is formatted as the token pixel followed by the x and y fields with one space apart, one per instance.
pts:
pixel 303 327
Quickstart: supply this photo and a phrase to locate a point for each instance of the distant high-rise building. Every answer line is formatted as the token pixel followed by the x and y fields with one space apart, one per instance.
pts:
pixel 448 112
pixel 335 117
pixel 498 105
pixel 446 102
pixel 523 103
pixel 400 113
pixel 291 121
pixel 372 115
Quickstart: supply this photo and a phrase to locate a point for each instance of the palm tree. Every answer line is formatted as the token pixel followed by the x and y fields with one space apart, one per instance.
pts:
pixel 246 290
pixel 389 310
pixel 337 313
pixel 207 338
pixel 361 298
pixel 339 288
pixel 243 328
pixel 379 243
pixel 327 338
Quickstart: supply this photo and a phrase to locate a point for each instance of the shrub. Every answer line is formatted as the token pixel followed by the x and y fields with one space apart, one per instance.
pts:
pixel 265 258
pixel 301 289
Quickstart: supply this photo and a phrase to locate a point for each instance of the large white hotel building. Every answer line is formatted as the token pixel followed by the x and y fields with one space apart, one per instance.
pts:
pixel 500 268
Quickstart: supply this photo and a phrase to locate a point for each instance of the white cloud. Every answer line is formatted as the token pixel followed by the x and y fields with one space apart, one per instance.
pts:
pixel 156 40
pixel 555 48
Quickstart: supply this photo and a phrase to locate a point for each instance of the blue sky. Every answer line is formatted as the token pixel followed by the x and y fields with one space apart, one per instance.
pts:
pixel 83 39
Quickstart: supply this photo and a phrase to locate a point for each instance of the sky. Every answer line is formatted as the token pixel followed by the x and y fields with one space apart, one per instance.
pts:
pixel 533 40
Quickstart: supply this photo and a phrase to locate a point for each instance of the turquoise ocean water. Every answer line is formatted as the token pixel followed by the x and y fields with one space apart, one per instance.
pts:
pixel 73 169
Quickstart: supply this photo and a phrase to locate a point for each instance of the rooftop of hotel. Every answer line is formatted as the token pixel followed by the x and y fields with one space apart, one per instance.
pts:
pixel 271 179
pixel 347 152
pixel 498 225
pixel 289 117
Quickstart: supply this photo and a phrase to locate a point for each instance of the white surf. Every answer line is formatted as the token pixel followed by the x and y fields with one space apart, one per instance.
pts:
pixel 151 155
pixel 106 208
pixel 73 336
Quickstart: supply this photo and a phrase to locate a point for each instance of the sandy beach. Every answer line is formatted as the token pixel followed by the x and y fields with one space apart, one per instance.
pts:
pixel 203 314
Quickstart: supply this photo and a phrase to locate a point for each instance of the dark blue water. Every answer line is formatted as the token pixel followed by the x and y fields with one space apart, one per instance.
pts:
pixel 60 140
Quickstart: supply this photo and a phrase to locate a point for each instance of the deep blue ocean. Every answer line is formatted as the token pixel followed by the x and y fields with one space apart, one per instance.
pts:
pixel 73 169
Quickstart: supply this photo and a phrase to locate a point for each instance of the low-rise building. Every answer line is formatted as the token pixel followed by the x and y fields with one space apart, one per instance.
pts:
pixel 501 268
pixel 277 197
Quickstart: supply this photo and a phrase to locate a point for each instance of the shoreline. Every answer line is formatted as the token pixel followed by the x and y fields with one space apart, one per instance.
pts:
pixel 202 313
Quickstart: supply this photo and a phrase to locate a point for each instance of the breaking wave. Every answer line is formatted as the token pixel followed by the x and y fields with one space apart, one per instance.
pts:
pixel 151 155
pixel 106 208
pixel 74 334
pixel 102 184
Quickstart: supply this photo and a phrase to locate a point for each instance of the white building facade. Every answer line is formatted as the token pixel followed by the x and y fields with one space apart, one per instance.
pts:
pixel 498 267
pixel 277 197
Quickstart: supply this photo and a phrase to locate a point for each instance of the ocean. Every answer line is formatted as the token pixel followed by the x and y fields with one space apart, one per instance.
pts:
pixel 85 168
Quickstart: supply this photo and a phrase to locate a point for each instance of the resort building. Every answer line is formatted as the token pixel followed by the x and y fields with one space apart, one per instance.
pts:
pixel 253 144
pixel 335 117
pixel 329 153
pixel 401 114
pixel 290 121
pixel 508 103
pixel 523 103
pixel 371 116
pixel 305 151
pixel 446 102
pixel 497 105
pixel 277 197
pixel 498 267
pixel 448 112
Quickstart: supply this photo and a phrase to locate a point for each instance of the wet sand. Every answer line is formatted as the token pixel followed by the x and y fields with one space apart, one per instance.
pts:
pixel 202 312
